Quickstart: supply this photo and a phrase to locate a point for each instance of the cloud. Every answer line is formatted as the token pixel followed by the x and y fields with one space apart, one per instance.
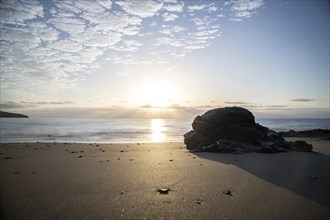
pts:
pixel 127 45
pixel 245 105
pixel 170 1
pixel 174 7
pixel 47 103
pixel 90 6
pixel 243 9
pixel 43 31
pixel 11 105
pixel 193 8
pixel 181 41
pixel 67 109
pixel 66 46
pixel 13 12
pixel 302 100
pixel 60 42
pixel 143 112
pixel 71 26
pixel 169 17
pixel 246 5
pixel 208 7
pixel 235 103
pixel 37 46
pixel 203 23
pixel 105 3
pixel 171 30
pixel 31 104
pixel 146 8
pixel 211 8
pixel 276 106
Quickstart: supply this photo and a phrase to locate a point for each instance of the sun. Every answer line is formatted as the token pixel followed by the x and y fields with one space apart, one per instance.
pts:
pixel 157 93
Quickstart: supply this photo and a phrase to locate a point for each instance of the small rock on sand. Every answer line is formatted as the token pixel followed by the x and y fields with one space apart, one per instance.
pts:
pixel 198 201
pixel 164 190
pixel 228 192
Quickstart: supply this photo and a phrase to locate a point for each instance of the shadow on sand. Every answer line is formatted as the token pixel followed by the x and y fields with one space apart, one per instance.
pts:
pixel 306 174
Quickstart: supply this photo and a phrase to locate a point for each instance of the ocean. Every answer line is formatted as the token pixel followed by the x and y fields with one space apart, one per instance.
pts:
pixel 121 130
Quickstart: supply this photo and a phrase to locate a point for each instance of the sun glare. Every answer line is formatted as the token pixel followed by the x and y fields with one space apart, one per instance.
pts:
pixel 157 130
pixel 157 93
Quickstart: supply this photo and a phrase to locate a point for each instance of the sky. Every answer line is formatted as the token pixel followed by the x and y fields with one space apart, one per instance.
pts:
pixel 164 58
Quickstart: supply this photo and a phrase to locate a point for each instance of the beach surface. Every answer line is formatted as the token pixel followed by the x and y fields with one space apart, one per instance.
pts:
pixel 120 181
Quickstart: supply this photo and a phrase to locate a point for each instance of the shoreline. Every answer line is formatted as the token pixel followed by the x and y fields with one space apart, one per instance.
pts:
pixel 120 181
pixel 137 142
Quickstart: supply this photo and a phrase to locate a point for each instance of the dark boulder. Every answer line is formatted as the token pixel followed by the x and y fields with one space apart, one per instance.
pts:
pixel 233 130
pixel 300 146
pixel 315 133
pixel 228 116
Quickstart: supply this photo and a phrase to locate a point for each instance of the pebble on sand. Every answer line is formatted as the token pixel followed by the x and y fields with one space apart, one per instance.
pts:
pixel 164 190
pixel 228 192
pixel 198 201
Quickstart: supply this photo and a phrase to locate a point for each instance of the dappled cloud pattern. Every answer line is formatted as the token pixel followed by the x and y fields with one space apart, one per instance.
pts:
pixel 63 41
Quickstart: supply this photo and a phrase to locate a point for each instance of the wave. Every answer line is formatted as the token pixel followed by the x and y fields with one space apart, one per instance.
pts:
pixel 121 130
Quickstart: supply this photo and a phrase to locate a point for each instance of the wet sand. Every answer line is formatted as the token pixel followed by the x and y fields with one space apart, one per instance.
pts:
pixel 120 181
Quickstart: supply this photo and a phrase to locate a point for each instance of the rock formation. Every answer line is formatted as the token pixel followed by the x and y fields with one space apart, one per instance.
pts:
pixel 315 133
pixel 11 115
pixel 233 130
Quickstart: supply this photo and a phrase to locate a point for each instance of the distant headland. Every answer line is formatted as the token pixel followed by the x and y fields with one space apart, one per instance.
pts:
pixel 11 115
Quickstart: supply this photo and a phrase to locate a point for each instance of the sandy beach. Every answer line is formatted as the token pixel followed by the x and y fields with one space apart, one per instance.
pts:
pixel 120 181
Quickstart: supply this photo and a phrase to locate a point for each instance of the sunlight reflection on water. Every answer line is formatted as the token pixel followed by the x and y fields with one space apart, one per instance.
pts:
pixel 157 130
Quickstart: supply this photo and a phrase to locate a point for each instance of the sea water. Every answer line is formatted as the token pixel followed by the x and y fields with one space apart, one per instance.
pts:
pixel 121 130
